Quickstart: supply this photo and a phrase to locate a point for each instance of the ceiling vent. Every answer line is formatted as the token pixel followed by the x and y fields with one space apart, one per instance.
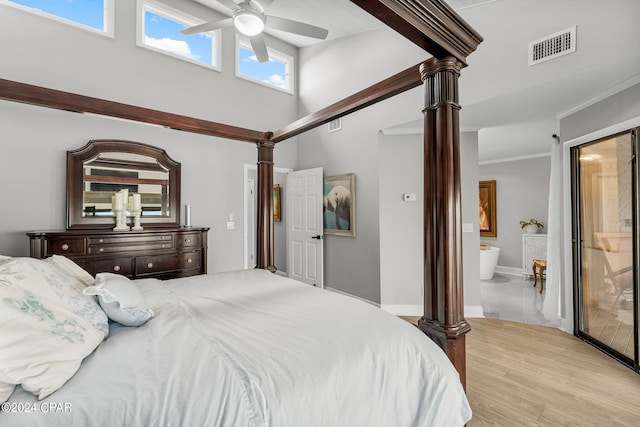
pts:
pixel 552 46
pixel 335 125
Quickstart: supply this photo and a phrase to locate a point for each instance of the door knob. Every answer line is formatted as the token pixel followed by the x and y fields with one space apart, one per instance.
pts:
pixel 318 237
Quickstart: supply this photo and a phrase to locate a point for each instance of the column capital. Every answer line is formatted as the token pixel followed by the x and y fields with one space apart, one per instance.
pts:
pixel 440 78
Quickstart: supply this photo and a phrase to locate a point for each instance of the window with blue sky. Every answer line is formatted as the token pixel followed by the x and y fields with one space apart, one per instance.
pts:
pixel 160 31
pixel 91 14
pixel 275 73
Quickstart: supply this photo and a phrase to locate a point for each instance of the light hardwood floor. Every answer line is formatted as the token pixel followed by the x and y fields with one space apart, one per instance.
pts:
pixel 528 375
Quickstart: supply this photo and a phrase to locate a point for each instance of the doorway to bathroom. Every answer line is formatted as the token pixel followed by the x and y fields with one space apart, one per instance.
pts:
pixel 605 217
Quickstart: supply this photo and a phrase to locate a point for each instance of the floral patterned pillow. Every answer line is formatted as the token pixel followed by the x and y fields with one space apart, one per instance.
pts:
pixel 68 288
pixel 43 341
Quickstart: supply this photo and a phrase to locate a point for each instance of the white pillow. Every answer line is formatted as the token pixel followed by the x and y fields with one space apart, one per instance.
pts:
pixel 68 288
pixel 71 269
pixel 121 299
pixel 43 341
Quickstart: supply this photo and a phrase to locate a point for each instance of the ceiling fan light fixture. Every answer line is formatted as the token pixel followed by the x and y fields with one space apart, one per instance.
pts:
pixel 249 22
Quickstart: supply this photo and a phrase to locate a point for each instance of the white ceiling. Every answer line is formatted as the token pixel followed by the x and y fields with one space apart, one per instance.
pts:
pixel 518 123
pixel 341 17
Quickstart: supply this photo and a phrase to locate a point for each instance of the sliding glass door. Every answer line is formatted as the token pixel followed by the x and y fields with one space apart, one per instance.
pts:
pixel 605 200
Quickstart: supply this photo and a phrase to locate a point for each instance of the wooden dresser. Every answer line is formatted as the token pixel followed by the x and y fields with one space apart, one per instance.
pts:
pixel 163 253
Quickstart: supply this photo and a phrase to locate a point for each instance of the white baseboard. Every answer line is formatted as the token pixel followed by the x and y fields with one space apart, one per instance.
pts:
pixel 418 310
pixel 473 311
pixel 509 270
pixel 403 310
pixel 352 296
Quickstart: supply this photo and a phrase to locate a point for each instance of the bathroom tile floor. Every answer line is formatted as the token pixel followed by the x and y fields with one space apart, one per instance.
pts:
pixel 512 297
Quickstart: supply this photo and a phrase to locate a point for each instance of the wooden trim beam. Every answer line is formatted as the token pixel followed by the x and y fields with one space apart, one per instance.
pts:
pixel 52 98
pixel 394 85
pixel 430 24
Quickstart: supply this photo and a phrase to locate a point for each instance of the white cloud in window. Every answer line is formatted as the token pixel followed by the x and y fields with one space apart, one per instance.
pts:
pixel 276 80
pixel 179 47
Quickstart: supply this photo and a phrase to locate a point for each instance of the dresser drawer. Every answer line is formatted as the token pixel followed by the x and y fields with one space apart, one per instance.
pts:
pixel 154 264
pixel 65 246
pixel 122 266
pixel 117 244
pixel 164 253
pixel 189 240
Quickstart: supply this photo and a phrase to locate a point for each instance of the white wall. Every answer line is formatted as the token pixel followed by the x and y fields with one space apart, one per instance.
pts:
pixel 35 140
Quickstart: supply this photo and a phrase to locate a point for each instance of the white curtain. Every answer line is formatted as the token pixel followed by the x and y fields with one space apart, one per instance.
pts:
pixel 551 304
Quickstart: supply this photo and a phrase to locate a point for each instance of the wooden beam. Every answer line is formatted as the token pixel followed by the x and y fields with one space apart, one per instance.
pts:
pixel 52 98
pixel 394 85
pixel 431 24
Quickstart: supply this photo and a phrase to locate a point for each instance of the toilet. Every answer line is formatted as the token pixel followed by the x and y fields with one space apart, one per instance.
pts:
pixel 488 261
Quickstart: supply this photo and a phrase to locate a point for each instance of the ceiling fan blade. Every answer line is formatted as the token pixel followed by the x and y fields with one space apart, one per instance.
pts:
pixel 263 4
pixel 296 27
pixel 208 26
pixel 259 48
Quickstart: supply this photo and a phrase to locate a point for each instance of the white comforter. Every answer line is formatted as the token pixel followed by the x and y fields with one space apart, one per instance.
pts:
pixel 250 348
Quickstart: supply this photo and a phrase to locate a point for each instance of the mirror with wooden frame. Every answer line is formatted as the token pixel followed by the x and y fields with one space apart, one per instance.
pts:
pixel 101 168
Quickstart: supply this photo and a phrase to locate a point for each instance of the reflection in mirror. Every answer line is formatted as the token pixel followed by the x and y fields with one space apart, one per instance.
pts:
pixel 103 168
pixel 108 173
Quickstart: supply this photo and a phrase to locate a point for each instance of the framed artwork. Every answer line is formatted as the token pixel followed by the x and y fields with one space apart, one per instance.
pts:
pixel 339 205
pixel 488 209
pixel 277 208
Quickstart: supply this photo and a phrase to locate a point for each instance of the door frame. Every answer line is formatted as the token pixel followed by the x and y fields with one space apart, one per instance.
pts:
pixel 577 238
pixel 246 168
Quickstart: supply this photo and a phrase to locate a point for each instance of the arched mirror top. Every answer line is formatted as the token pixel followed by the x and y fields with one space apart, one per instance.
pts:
pixel 102 168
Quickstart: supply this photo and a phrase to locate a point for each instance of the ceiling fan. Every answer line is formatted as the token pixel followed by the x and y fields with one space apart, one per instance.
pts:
pixel 249 19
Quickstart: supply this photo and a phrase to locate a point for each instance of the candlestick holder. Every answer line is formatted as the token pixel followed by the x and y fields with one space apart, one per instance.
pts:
pixel 121 224
pixel 136 221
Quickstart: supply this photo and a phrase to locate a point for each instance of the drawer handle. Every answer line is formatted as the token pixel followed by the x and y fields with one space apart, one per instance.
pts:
pixel 150 265
pixel 189 261
pixel 101 250
pixel 187 240
pixel 65 247
pixel 101 240
pixel 164 246
pixel 116 268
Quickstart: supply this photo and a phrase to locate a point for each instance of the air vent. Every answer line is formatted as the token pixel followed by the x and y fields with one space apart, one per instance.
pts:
pixel 335 125
pixel 552 46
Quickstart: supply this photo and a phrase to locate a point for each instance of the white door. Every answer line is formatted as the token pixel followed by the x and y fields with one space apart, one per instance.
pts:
pixel 305 227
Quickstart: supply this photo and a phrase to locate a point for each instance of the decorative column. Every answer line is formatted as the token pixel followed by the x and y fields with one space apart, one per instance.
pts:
pixel 443 319
pixel 265 248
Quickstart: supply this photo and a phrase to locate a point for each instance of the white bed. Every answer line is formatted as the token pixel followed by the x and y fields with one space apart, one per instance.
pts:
pixel 251 348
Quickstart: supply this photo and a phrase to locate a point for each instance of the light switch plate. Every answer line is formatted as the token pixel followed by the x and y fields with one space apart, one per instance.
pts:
pixel 467 228
pixel 231 225
pixel 409 197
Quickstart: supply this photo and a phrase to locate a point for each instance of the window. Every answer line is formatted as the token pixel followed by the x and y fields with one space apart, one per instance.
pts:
pixel 159 30
pixel 93 15
pixel 276 73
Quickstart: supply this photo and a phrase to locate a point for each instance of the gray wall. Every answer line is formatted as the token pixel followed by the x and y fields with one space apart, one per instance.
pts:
pixel 35 140
pixel 401 223
pixel 352 265
pixel 618 108
pixel 469 171
pixel 522 193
